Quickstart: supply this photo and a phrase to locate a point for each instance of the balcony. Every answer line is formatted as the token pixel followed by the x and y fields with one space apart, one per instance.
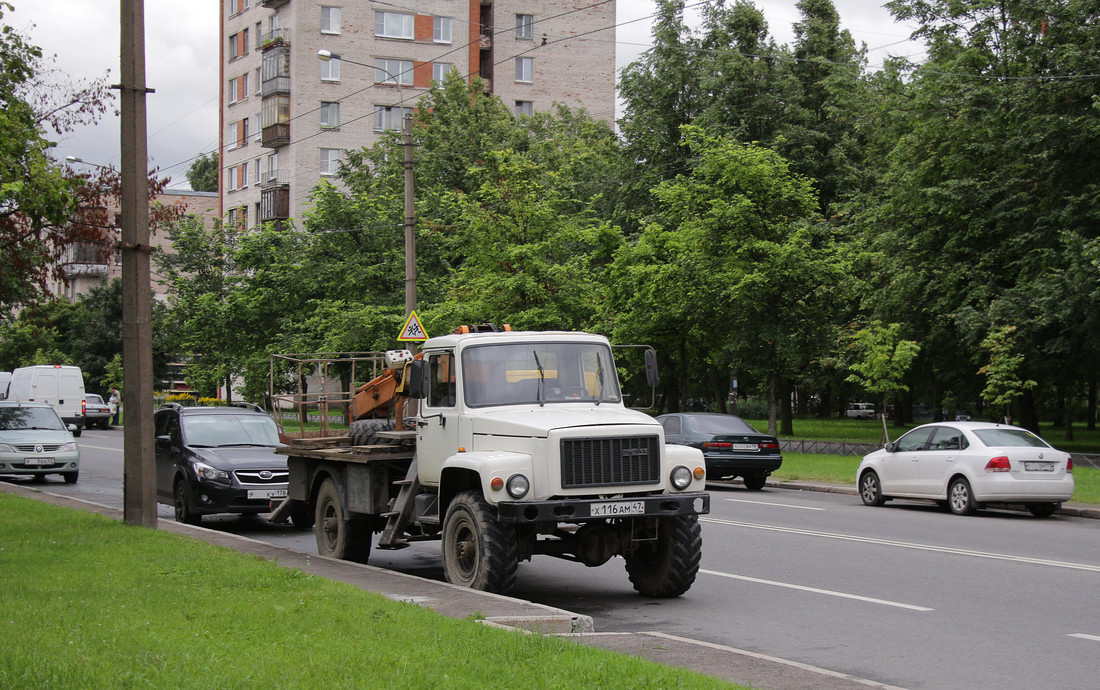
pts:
pixel 277 85
pixel 275 136
pixel 275 204
pixel 275 38
pixel 274 178
pixel 273 4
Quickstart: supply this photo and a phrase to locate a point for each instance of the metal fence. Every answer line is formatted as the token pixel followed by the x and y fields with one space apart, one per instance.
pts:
pixel 861 449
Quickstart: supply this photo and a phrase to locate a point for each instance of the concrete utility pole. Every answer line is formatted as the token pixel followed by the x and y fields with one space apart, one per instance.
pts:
pixel 139 479
pixel 410 221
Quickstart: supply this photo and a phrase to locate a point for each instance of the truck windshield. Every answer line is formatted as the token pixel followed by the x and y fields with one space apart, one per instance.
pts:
pixel 538 373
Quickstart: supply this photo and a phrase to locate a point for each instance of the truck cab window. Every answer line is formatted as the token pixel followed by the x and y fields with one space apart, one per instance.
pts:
pixel 441 380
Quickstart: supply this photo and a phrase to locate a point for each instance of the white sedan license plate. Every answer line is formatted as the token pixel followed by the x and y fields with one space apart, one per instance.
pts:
pixel 267 493
pixel 37 462
pixel 616 508
pixel 1039 466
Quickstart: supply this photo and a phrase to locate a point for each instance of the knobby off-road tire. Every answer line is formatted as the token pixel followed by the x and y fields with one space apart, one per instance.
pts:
pixel 479 551
pixel 363 432
pixel 337 536
pixel 667 567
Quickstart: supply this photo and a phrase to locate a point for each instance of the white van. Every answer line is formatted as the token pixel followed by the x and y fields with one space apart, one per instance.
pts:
pixel 60 386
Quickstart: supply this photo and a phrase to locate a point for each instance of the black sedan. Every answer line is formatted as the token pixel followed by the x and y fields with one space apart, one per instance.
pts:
pixel 731 446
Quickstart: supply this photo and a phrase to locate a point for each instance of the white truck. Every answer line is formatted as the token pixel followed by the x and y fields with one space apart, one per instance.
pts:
pixel 522 446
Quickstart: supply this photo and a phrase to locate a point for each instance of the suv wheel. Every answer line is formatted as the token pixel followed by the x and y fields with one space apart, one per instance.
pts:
pixel 182 505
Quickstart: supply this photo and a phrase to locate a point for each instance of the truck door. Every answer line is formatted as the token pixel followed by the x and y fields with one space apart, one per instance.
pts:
pixel 437 424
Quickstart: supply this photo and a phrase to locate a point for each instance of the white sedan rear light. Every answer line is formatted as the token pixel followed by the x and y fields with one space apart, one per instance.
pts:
pixel 998 464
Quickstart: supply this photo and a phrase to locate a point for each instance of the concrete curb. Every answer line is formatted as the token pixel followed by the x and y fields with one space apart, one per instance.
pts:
pixel 1081 510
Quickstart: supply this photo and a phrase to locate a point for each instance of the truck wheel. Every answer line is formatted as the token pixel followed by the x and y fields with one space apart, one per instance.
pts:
pixel 363 431
pixel 337 536
pixel 667 566
pixel 478 551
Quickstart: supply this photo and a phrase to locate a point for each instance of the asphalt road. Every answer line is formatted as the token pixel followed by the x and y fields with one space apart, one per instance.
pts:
pixel 905 595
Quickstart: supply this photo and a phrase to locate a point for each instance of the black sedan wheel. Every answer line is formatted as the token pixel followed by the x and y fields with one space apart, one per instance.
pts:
pixel 755 481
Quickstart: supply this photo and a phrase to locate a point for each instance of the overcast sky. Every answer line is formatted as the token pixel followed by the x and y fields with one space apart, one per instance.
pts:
pixel 181 45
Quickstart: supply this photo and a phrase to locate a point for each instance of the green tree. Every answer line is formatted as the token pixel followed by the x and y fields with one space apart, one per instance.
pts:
pixel 203 173
pixel 41 214
pixel 880 360
pixel 1003 383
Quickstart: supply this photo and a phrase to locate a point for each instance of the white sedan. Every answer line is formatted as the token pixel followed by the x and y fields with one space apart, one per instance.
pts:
pixel 965 466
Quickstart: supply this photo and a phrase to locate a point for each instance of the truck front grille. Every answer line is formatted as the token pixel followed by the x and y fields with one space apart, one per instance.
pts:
pixel 610 461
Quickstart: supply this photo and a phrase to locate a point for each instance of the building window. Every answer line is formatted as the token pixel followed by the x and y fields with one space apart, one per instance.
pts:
pixel 237 218
pixel 387 71
pixel 330 70
pixel 330 114
pixel 259 32
pixel 525 26
pixel 441 29
pixel 524 68
pixel 236 6
pixel 330 20
pixel 439 71
pixel 237 134
pixel 234 96
pixel 273 167
pixel 256 174
pixel 393 25
pixel 259 81
pixel 525 108
pixel 390 117
pixel 329 160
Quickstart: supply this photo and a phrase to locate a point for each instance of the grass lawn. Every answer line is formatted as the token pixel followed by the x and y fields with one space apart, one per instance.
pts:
pixel 841 469
pixel 870 430
pixel 90 602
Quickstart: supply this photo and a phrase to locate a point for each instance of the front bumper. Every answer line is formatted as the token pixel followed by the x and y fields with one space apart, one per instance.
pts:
pixel 211 498
pixel 16 463
pixel 581 509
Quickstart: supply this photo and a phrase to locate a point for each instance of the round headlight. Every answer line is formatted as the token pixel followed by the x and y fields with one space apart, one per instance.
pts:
pixel 518 486
pixel 681 477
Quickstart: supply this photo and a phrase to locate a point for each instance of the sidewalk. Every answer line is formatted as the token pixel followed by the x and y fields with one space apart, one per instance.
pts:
pixel 719 661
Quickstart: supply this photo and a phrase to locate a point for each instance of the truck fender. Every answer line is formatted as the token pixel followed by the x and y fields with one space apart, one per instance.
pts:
pixel 476 469
pixel 690 458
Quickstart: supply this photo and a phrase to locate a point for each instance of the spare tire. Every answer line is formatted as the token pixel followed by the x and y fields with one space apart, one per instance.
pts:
pixel 363 432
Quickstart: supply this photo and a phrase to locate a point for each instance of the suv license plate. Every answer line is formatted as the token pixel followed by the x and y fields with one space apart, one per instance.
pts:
pixel 618 508
pixel 37 462
pixel 267 493
pixel 1039 466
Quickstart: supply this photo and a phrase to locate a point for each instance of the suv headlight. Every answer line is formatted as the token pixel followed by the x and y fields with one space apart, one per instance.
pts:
pixel 211 474
pixel 680 477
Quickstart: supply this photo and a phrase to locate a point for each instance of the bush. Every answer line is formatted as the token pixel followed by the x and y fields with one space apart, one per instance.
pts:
pixel 752 408
pixel 211 402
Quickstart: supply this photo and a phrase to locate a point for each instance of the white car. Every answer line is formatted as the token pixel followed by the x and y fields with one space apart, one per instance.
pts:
pixel 965 466
pixel 861 410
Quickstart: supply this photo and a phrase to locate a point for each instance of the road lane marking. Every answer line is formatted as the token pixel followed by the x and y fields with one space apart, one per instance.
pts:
pixel 815 590
pixel 88 445
pixel 765 503
pixel 910 545
pixel 1085 636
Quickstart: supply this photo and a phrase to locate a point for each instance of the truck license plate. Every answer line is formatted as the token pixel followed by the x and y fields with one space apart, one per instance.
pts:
pixel 1039 466
pixel 617 508
pixel 37 462
pixel 267 493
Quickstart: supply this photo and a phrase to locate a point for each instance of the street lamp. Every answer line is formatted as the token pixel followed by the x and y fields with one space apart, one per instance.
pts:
pixel 410 215
pixel 78 159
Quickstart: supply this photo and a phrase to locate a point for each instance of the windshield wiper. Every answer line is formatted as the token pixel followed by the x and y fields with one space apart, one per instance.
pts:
pixel 542 377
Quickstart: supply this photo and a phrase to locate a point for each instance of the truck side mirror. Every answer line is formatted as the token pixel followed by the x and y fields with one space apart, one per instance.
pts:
pixel 413 383
pixel 651 375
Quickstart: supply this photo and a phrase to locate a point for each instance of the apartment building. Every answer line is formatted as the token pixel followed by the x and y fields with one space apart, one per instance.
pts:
pixel 85 266
pixel 304 80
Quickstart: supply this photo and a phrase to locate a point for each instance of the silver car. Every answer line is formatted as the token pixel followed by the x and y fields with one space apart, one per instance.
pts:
pixel 34 441
pixel 966 466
